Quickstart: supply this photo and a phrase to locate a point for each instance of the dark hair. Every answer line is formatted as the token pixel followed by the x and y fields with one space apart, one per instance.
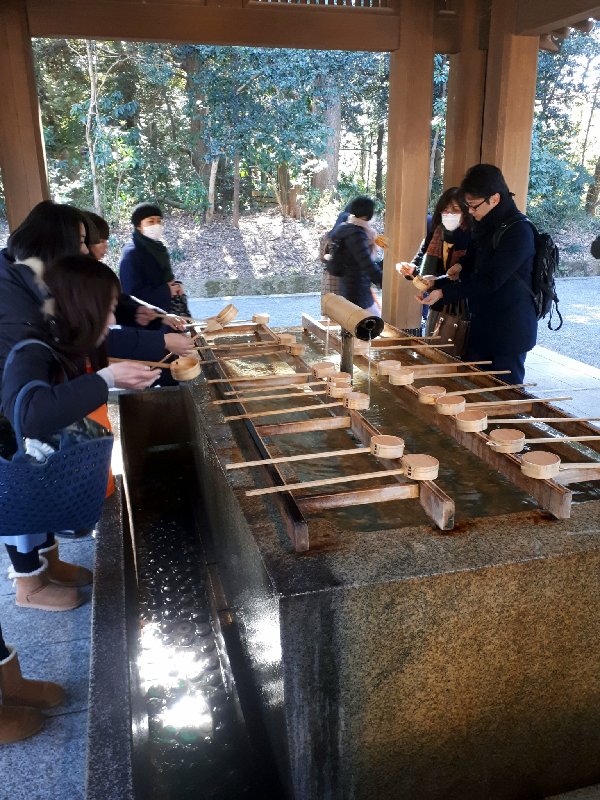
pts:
pixel 83 291
pixel 362 207
pixel 143 210
pixel 484 180
pixel 99 230
pixel 50 231
pixel 453 194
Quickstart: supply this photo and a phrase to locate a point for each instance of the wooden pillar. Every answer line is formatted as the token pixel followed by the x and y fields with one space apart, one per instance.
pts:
pixel 509 98
pixel 466 87
pixel 22 156
pixel 411 99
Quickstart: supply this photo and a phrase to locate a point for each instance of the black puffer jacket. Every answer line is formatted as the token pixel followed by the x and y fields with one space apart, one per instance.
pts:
pixel 22 295
pixel 359 269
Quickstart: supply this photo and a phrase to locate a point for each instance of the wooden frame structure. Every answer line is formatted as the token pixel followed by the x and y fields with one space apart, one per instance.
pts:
pixel 551 495
pixel 436 503
pixel 493 46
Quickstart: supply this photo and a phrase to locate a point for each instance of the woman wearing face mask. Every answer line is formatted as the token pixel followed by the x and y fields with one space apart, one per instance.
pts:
pixel 145 267
pixel 443 247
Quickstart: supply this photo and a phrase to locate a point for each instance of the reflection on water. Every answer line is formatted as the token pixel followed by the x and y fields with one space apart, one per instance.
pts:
pixel 477 489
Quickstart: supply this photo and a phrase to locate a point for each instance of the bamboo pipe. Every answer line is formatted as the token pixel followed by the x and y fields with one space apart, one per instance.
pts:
pixel 266 397
pixel 328 482
pixel 529 420
pixel 274 412
pixel 256 378
pixel 303 457
pixel 488 389
pixel 516 402
pixel 282 388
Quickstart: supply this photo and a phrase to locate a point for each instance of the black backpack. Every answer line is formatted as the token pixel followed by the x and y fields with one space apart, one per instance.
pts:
pixel 545 265
pixel 335 259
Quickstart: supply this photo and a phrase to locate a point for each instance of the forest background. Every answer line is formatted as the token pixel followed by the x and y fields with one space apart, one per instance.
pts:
pixel 253 152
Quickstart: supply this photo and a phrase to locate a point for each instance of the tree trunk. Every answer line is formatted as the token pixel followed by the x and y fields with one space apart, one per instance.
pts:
pixel 91 121
pixel 592 199
pixel 214 166
pixel 432 157
pixel 236 190
pixel 283 188
pixel 589 125
pixel 191 66
pixel 379 162
pixel 326 178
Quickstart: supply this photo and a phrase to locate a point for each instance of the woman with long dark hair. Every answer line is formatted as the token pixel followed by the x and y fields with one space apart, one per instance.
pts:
pixel 37 302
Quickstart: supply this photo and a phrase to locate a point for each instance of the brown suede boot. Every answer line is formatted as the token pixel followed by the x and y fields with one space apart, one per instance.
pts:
pixel 35 591
pixel 63 573
pixel 19 723
pixel 15 690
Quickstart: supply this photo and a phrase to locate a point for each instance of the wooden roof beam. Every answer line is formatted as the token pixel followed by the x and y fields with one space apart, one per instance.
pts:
pixel 253 25
pixel 543 16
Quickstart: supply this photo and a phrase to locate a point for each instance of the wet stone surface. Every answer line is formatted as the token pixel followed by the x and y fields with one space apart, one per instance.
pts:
pixel 197 740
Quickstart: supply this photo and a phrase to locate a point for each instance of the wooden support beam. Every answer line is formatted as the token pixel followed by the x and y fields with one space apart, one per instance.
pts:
pixel 22 156
pixel 409 133
pixel 245 24
pixel 305 426
pixel 360 497
pixel 466 82
pixel 543 16
pixel 509 98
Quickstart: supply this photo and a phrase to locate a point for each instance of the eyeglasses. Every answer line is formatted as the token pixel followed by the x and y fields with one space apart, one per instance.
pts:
pixel 476 206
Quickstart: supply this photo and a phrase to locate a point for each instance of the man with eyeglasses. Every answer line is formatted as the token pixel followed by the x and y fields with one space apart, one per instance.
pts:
pixel 494 275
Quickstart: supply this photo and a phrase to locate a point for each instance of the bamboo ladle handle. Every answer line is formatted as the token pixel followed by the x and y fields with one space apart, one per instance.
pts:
pixel 487 389
pixel 274 412
pixel 266 397
pixel 365 476
pixel 524 401
pixel 258 378
pixel 559 439
pixel 529 420
pixel 302 457
pixel 158 364
pixel 282 388
pixel 471 374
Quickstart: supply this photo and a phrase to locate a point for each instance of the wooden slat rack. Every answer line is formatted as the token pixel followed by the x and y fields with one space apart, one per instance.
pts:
pixel 436 503
pixel 551 495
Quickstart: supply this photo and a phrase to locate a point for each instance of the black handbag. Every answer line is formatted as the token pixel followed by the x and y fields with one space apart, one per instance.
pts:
pixel 453 326
pixel 66 490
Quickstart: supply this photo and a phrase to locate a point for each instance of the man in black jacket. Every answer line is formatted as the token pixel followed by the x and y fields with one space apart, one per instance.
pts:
pixel 354 241
pixel 495 275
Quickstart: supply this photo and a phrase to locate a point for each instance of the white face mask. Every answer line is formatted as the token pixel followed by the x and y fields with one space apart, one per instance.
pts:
pixel 451 221
pixel 153 232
